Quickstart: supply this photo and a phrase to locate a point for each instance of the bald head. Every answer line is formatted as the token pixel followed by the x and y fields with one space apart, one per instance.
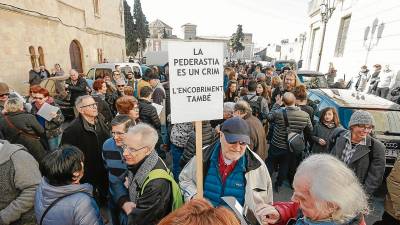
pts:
pixel 289 99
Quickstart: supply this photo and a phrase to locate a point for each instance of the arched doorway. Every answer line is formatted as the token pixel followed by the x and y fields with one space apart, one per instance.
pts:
pixel 75 54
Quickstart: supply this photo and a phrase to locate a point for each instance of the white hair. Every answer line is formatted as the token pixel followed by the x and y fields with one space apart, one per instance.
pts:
pixel 79 100
pixel 229 107
pixel 13 105
pixel 331 181
pixel 148 133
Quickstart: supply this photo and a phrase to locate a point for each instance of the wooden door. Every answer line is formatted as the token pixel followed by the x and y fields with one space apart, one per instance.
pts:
pixel 76 56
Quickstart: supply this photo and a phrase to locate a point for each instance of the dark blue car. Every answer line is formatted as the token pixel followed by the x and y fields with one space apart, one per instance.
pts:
pixel 385 113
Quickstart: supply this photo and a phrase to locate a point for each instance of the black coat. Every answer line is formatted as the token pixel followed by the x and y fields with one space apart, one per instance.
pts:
pixel 76 90
pixel 34 78
pixel 155 203
pixel 90 142
pixel 29 137
pixel 148 114
pixel 103 108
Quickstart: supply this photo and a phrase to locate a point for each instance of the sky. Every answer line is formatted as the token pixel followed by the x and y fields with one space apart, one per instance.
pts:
pixel 268 20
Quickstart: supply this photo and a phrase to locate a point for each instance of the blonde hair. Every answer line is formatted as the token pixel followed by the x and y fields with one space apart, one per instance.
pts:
pixel 13 105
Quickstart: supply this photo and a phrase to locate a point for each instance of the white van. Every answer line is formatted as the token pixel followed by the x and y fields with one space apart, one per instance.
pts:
pixel 102 69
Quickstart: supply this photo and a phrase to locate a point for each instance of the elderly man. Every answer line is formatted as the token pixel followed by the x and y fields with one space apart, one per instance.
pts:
pixel 117 168
pixel 298 121
pixel 230 169
pixel 20 176
pixel 327 193
pixel 88 132
pixel 75 85
pixel 153 193
pixel 361 152
pixel 258 139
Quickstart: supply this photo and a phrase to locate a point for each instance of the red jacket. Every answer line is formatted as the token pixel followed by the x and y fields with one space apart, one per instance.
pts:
pixel 289 210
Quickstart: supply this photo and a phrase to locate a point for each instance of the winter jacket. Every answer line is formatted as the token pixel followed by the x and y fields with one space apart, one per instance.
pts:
pixel 385 79
pixel 158 94
pixel 180 134
pixel 19 178
pixel 290 211
pixel 258 138
pixel 367 162
pixel 392 201
pixel 323 132
pixel 155 203
pixel 103 107
pixel 258 182
pixel 89 139
pixel 117 169
pixel 76 90
pixel 299 121
pixel 34 78
pixel 264 103
pixel 208 137
pixel 52 127
pixel 30 137
pixel 79 208
pixel 148 114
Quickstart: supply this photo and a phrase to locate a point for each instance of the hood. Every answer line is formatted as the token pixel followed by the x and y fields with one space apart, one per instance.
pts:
pixel 49 193
pixel 7 149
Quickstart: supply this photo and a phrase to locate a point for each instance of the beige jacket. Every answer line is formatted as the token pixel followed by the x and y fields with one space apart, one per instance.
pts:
pixel 392 201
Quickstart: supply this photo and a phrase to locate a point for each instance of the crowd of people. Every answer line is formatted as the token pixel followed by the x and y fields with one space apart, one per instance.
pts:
pixel 110 164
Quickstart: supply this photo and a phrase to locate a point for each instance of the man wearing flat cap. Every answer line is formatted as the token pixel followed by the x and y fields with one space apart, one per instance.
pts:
pixel 230 168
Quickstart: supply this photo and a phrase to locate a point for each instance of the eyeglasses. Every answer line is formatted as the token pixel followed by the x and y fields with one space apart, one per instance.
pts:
pixel 365 127
pixel 136 109
pixel 94 105
pixel 5 94
pixel 39 98
pixel 114 134
pixel 121 85
pixel 132 150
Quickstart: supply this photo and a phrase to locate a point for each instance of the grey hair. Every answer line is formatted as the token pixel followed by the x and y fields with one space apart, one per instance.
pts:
pixel 73 71
pixel 242 106
pixel 13 105
pixel 331 181
pixel 149 135
pixel 229 107
pixel 79 100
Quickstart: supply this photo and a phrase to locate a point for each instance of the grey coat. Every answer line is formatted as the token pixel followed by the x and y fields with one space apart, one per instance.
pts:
pixel 323 132
pixel 368 161
pixel 299 121
pixel 19 178
pixel 79 208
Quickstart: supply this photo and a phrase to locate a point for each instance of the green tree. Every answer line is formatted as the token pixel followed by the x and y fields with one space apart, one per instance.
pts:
pixel 141 24
pixel 130 41
pixel 236 40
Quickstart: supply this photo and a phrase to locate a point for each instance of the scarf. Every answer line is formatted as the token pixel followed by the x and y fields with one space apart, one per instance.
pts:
pixel 329 125
pixel 136 180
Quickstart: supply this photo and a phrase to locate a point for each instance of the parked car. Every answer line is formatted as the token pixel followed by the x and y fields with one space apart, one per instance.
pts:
pixel 312 79
pixel 385 113
pixel 99 70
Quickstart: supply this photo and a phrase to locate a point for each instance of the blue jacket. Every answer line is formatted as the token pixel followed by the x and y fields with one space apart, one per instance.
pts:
pixel 234 184
pixel 77 209
pixel 116 170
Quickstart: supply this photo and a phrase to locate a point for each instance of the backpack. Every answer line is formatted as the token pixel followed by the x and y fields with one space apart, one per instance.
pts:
pixel 255 105
pixel 295 140
pixel 177 198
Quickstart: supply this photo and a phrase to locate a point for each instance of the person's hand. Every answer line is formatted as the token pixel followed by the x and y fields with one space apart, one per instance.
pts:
pixel 53 114
pixel 267 214
pixel 322 142
pixel 128 207
pixel 217 129
pixel 126 183
pixel 66 85
pixel 278 100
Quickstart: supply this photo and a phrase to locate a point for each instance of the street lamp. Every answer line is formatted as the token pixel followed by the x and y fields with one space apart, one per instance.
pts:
pixel 302 39
pixel 326 9
pixel 140 48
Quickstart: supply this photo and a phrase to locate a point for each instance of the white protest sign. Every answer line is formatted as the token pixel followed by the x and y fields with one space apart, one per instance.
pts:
pixel 196 81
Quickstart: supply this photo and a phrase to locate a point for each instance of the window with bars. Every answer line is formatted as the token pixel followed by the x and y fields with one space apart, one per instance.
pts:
pixel 342 36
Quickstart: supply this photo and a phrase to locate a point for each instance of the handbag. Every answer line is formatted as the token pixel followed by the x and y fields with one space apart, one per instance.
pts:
pixel 295 140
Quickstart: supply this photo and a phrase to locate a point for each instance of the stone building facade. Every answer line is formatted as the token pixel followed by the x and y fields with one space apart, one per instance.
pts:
pixel 75 34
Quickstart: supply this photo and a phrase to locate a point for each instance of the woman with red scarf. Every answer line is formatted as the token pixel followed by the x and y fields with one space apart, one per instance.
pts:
pixel 52 127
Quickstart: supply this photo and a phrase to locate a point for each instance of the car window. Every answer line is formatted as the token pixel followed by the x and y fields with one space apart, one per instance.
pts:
pixel 386 121
pixel 90 74
pixel 314 82
pixel 101 72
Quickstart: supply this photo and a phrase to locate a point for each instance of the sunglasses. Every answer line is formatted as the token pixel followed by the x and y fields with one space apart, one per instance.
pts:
pixel 5 94
pixel 120 85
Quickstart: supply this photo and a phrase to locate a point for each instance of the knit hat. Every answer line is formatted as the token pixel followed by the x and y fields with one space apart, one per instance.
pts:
pixel 361 117
pixel 4 88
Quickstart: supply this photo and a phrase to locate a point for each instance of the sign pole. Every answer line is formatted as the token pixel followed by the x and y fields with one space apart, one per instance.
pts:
pixel 199 159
